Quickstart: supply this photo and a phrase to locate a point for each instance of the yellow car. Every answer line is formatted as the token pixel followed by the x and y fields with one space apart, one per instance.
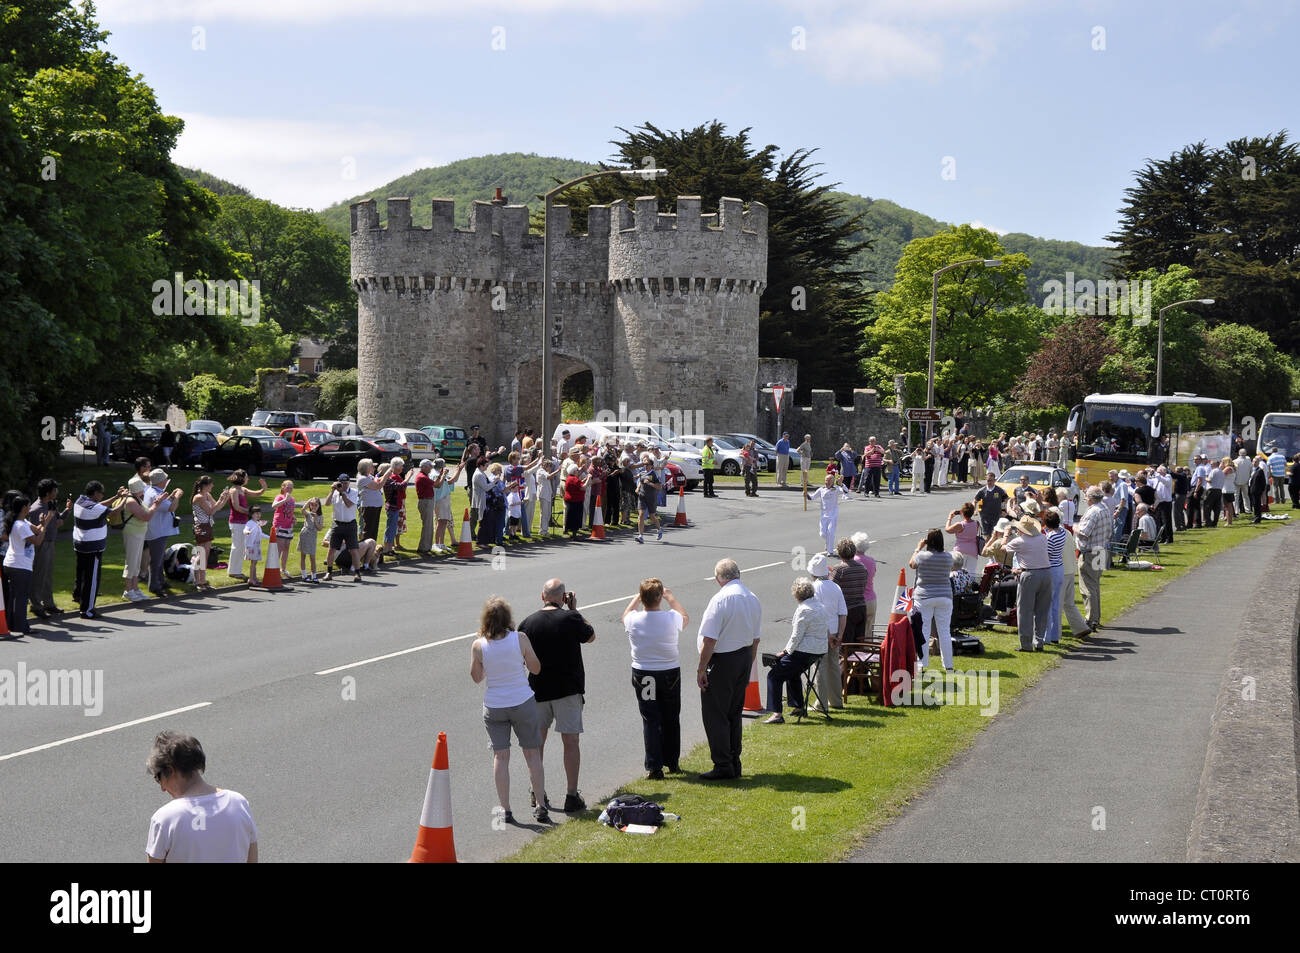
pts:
pixel 242 431
pixel 1041 476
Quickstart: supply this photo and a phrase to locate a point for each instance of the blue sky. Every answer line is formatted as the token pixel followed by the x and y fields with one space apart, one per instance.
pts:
pixel 307 102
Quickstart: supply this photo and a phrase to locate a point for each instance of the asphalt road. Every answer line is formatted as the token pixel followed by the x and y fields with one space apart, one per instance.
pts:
pixel 261 680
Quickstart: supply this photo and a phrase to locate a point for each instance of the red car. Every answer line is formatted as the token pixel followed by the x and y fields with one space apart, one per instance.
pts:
pixel 304 439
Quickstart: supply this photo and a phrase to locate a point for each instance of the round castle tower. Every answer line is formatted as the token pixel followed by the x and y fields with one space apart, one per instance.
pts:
pixel 663 309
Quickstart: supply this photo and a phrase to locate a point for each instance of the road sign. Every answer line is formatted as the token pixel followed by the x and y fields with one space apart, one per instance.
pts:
pixel 778 391
pixel 924 414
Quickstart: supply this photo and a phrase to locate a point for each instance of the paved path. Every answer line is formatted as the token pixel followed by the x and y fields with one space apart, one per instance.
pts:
pixel 1121 726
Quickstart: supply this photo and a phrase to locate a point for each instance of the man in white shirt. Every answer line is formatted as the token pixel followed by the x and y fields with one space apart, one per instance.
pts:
pixel 1214 480
pixel 829 497
pixel 1241 483
pixel 343 500
pixel 830 688
pixel 1164 486
pixel 728 645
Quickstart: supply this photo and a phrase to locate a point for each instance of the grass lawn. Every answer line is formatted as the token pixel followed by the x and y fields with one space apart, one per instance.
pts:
pixel 73 477
pixel 813 791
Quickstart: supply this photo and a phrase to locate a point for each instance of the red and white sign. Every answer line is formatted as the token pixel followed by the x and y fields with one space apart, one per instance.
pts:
pixel 778 391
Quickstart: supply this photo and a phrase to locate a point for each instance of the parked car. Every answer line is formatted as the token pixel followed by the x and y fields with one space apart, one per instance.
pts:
pixel 448 442
pixel 243 430
pixel 340 455
pixel 136 439
pixel 277 420
pixel 254 454
pixel 304 438
pixel 209 426
pixel 728 451
pixel 190 447
pixel 339 428
pixel 766 447
pixel 1041 476
pixel 416 443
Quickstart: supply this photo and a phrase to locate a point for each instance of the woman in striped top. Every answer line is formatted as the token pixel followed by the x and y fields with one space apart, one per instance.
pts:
pixel 1057 538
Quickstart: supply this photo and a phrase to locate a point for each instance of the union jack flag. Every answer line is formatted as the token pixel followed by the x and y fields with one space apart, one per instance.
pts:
pixel 903 601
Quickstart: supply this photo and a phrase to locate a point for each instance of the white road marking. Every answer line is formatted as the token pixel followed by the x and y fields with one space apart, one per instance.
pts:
pixel 104 731
pixel 470 635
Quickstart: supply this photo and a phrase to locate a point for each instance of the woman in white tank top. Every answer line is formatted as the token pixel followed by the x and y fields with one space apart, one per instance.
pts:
pixel 503 658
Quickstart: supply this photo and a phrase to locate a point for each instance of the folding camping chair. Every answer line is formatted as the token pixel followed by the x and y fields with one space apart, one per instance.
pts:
pixel 809 687
pixel 1126 550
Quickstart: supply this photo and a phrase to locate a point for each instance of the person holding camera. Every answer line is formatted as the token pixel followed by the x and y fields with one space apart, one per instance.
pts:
pixel 654 620
pixel 558 631
pixel 343 501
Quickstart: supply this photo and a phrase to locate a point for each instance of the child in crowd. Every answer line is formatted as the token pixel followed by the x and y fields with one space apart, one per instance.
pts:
pixel 312 522
pixel 515 511
pixel 282 519
pixel 253 537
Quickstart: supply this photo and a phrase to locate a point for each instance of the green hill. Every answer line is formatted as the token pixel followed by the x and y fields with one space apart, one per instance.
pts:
pixel 212 183
pixel 521 178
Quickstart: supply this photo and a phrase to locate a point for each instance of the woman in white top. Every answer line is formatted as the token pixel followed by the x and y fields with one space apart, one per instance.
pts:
pixel 654 631
pixel 202 824
pixel 23 540
pixel 504 658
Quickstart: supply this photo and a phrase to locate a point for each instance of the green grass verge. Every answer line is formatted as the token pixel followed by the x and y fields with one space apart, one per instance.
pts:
pixel 73 477
pixel 813 791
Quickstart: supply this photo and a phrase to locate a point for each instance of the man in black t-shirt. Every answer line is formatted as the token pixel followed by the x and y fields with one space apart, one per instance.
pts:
pixel 989 501
pixel 558 632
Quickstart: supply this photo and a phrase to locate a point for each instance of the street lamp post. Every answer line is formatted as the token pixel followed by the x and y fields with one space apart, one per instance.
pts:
pixel 934 321
pixel 1160 339
pixel 646 174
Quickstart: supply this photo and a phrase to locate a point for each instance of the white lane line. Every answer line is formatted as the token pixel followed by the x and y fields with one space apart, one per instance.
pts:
pixel 104 731
pixel 470 635
pixel 381 658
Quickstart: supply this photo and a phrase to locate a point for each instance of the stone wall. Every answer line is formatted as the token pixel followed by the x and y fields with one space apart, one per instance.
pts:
pixel 663 309
pixel 832 426
pixel 278 394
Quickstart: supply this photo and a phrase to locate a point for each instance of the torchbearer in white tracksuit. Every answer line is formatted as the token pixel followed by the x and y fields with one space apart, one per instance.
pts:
pixel 830 496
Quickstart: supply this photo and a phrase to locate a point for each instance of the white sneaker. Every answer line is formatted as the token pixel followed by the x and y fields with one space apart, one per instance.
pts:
pixel 135 595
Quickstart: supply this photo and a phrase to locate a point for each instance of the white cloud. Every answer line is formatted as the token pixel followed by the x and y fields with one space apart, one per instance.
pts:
pixel 320 11
pixel 872 52
pixel 976 223
pixel 303 163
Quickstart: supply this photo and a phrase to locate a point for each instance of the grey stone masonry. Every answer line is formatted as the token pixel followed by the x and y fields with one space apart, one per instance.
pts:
pixel 661 308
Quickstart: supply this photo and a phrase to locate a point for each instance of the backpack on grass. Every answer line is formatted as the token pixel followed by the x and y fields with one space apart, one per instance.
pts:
pixel 632 809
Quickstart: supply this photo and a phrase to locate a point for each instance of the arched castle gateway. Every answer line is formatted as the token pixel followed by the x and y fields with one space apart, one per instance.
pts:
pixel 662 309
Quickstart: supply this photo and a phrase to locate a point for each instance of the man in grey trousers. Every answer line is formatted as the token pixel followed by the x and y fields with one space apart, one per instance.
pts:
pixel 1090 537
pixel 728 645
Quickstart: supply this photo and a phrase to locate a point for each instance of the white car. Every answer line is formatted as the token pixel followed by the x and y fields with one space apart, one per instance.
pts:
pixel 339 428
pixel 728 451
pixel 416 443
pixel 207 426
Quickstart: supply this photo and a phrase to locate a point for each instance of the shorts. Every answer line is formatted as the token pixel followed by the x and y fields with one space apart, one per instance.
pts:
pixel 565 712
pixel 284 532
pixel 648 506
pixel 523 718
pixel 344 535
pixel 442 508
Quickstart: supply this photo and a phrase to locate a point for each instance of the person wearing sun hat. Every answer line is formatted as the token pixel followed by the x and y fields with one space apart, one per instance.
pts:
pixel 1034 591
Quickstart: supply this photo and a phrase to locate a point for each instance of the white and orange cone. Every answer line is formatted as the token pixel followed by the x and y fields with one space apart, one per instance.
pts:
pixel 902 601
pixel 466 548
pixel 434 843
pixel 680 519
pixel 271 578
pixel 753 700
pixel 598 521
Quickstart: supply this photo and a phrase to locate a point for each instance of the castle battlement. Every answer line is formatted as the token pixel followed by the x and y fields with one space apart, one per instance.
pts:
pixel 662 308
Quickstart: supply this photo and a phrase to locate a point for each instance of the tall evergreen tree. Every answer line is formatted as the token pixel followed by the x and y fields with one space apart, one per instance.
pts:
pixel 814 305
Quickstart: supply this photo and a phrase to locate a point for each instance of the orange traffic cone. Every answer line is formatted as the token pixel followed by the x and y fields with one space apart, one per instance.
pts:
pixel 598 521
pixel 4 624
pixel 681 508
pixel 902 599
pixel 752 700
pixel 271 578
pixel 466 548
pixel 434 844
